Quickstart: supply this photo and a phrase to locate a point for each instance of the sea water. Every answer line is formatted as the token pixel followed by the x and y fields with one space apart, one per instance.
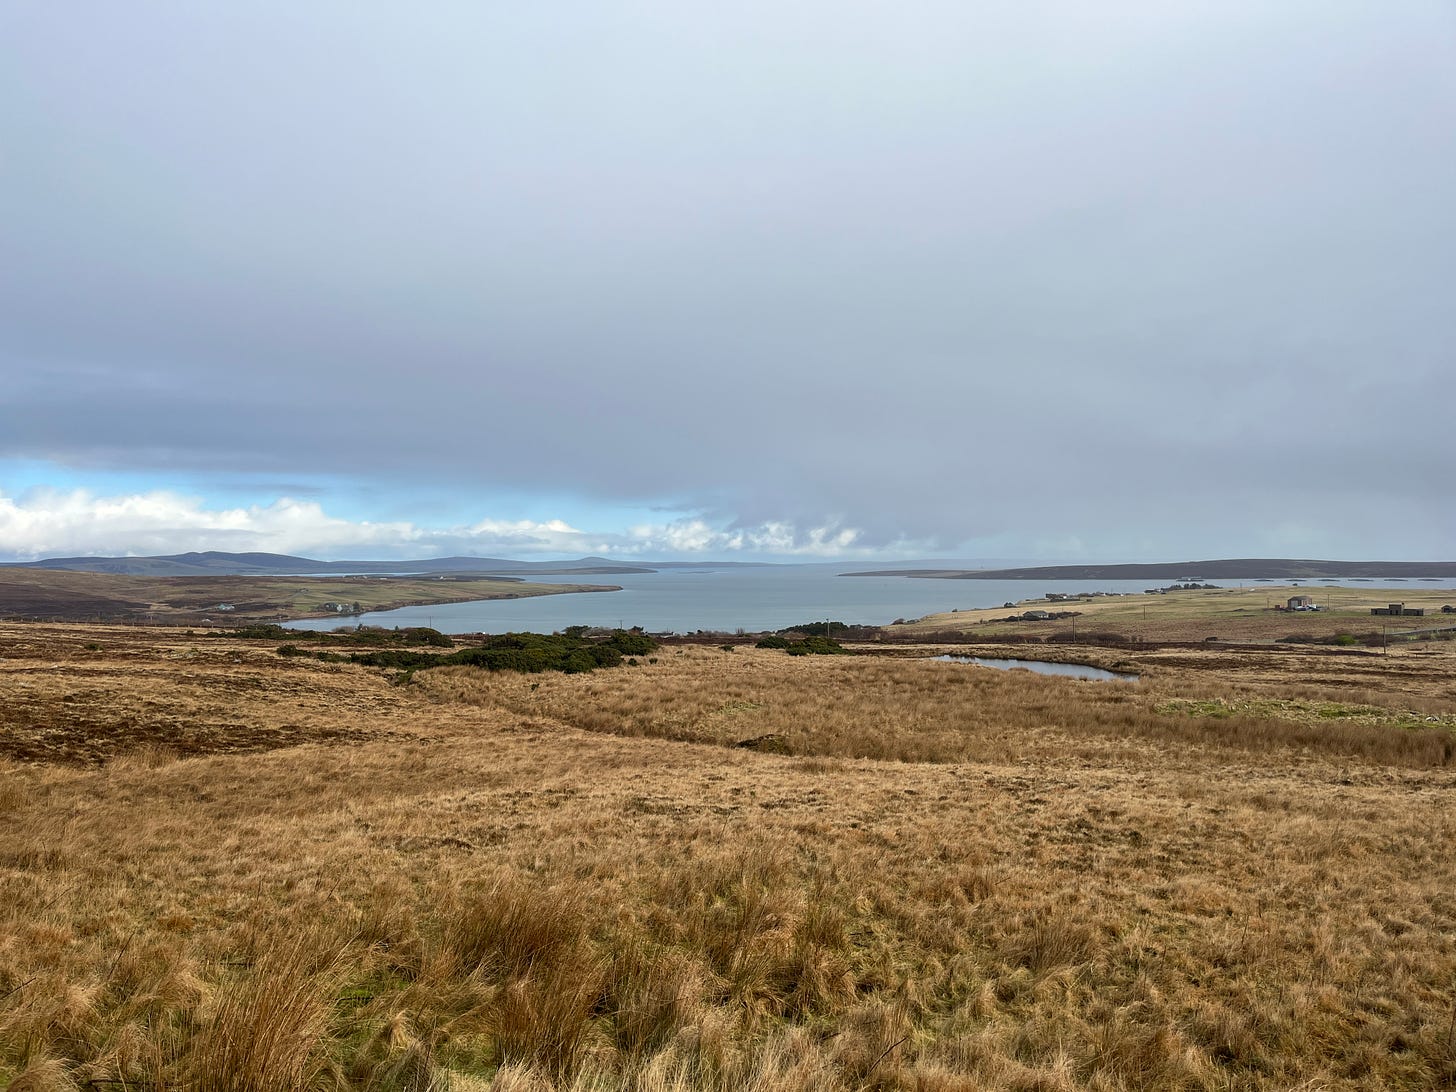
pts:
pixel 748 598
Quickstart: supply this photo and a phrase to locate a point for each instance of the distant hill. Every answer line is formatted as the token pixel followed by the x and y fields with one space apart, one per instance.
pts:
pixel 1247 568
pixel 211 563
pixel 217 563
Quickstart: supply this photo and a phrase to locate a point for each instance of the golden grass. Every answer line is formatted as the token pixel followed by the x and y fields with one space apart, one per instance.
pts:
pixel 267 1029
pixel 964 880
pixel 913 709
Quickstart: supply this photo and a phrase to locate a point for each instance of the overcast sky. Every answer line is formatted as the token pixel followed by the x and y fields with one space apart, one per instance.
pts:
pixel 1034 279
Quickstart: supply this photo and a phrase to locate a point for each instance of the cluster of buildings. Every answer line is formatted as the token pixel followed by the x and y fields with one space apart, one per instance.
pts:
pixel 1184 584
pixel 1397 610
pixel 1041 616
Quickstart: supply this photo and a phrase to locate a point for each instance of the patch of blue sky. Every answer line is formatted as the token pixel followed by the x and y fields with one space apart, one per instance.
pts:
pixel 19 476
pixel 341 497
pixel 451 506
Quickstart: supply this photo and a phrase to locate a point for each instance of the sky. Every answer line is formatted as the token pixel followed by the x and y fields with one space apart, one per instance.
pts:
pixel 1040 280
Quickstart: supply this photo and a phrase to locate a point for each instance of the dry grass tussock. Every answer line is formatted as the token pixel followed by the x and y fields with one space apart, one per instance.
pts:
pixel 458 887
pixel 912 709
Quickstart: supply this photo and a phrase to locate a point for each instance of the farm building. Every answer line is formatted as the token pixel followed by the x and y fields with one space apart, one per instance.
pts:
pixel 1300 602
pixel 1399 609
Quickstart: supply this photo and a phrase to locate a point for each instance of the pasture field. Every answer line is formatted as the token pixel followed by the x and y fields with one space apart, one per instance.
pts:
pixel 1232 613
pixel 222 869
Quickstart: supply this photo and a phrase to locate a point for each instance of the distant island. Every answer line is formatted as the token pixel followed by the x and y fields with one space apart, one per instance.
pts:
pixel 1247 568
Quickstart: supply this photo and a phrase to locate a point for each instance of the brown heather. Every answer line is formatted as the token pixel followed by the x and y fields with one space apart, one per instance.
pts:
pixel 224 870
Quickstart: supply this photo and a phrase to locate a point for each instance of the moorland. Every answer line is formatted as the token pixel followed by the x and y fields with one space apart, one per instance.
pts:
pixel 225 868
pixel 61 595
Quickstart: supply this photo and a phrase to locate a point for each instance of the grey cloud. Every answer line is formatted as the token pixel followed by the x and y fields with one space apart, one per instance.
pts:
pixel 934 272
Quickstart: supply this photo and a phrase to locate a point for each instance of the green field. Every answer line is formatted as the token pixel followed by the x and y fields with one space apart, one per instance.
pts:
pixel 1233 614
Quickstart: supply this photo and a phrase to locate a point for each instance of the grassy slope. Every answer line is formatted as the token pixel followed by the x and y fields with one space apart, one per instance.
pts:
pixel 963 880
pixel 49 593
pixel 1228 613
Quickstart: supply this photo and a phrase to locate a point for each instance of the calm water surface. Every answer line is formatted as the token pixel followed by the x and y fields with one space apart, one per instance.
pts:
pixel 727 600
pixel 1041 667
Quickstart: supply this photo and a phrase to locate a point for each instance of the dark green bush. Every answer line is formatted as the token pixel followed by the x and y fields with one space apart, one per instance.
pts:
pixel 401 657
pixel 820 628
pixel 773 642
pixel 631 644
pixel 817 646
pixel 260 633
pixel 364 635
pixel 526 652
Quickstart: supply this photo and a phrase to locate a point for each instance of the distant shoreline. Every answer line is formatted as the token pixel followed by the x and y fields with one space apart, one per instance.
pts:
pixel 1229 569
pixel 64 595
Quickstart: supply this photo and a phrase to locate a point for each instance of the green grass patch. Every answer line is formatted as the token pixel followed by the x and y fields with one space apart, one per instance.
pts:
pixel 731 708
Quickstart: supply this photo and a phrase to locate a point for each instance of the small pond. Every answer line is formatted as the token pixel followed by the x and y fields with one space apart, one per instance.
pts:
pixel 1041 667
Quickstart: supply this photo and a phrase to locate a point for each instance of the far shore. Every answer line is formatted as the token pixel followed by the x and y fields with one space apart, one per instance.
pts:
pixel 1249 614
pixel 1263 569
pixel 523 590
pixel 61 595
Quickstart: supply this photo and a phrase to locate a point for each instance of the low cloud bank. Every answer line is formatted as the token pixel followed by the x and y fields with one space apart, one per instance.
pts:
pixel 65 523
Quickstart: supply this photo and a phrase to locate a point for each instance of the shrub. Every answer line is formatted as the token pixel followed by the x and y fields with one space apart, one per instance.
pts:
pixel 424 635
pixel 526 652
pixel 822 628
pixel 629 643
pixel 364 635
pixel 817 646
pixel 259 632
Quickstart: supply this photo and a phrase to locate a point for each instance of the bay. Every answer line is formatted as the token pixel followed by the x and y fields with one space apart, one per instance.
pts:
pixel 726 600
